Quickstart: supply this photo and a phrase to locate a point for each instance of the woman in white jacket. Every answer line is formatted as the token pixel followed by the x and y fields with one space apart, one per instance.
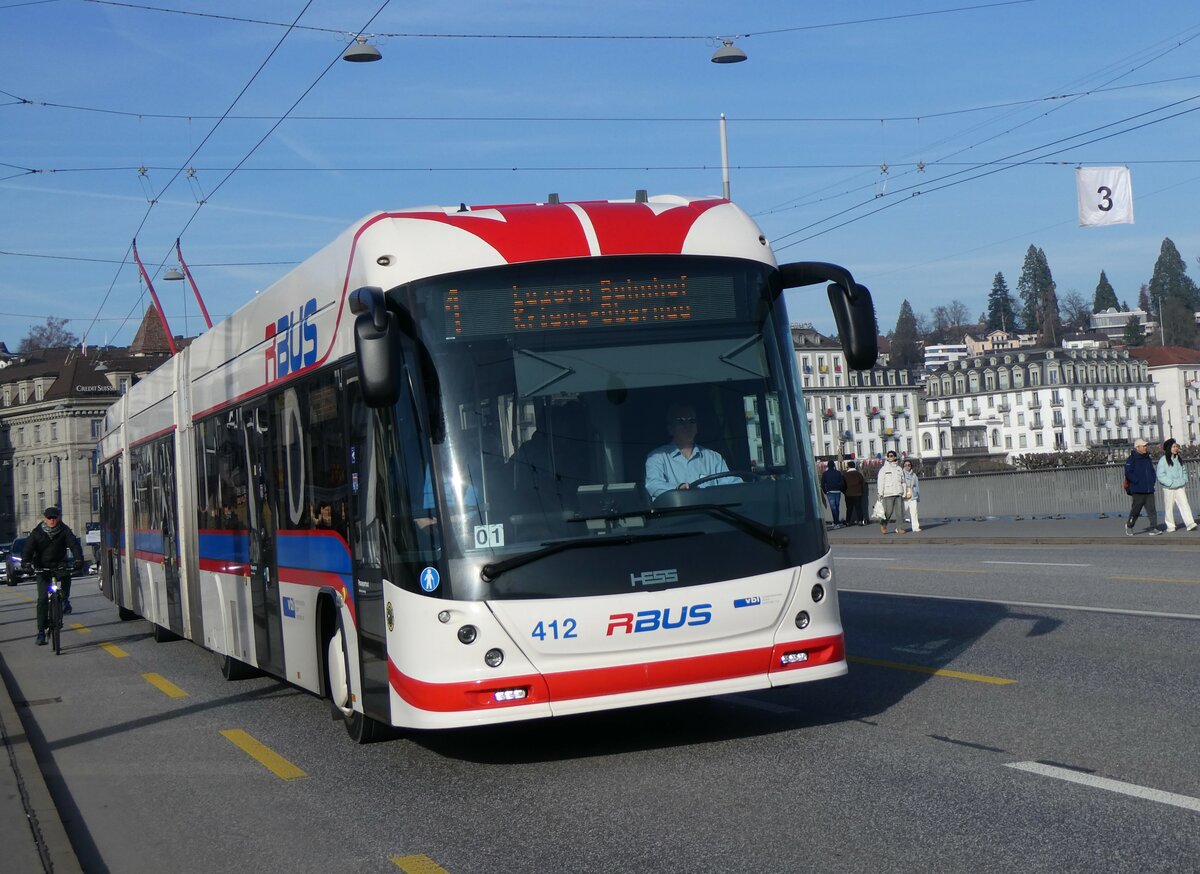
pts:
pixel 912 496
pixel 1173 477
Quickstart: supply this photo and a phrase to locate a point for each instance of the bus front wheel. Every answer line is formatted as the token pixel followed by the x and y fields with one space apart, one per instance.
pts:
pixel 361 728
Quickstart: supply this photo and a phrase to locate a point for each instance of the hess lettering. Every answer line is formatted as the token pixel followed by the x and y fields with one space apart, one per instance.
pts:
pixel 655 620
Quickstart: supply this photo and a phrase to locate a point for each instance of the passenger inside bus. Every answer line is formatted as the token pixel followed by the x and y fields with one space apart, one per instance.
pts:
pixel 677 464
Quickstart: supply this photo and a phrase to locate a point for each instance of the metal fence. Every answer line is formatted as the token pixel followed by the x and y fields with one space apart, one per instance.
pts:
pixel 1063 491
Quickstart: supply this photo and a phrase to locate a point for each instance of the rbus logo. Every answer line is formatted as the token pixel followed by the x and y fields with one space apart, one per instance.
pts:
pixel 654 620
pixel 292 342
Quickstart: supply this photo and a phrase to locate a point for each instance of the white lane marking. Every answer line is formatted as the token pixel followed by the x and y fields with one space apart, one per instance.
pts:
pixel 1119 611
pixel 859 558
pixel 1144 792
pixel 1037 563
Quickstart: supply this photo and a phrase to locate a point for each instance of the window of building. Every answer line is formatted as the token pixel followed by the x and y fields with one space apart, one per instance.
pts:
pixel 54 432
pixel 97 428
pixel 1024 442
pixel 927 442
pixel 1008 441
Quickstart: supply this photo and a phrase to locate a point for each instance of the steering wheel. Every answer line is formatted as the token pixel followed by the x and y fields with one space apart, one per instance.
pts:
pixel 746 475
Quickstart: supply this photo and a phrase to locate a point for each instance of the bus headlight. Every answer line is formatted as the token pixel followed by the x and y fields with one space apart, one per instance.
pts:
pixel 467 634
pixel 802 619
pixel 444 617
pixel 818 593
pixel 493 658
pixel 824 573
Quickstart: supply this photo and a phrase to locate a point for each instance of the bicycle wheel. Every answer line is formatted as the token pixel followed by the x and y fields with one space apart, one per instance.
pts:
pixel 56 621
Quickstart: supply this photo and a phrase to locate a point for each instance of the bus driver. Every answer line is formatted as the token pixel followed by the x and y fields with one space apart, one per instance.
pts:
pixel 683 461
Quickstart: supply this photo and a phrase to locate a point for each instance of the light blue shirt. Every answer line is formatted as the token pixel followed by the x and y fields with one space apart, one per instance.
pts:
pixel 667 468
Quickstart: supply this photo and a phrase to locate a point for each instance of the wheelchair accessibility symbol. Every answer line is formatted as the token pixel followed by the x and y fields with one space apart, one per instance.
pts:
pixel 430 579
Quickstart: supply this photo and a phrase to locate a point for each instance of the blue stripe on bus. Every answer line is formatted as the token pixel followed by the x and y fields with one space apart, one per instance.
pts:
pixel 232 547
pixel 313 551
pixel 148 541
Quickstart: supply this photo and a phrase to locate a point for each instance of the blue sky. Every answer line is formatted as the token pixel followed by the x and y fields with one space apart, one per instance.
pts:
pixel 819 106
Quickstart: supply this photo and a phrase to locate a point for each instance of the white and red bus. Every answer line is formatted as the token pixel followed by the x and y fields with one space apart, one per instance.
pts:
pixel 411 475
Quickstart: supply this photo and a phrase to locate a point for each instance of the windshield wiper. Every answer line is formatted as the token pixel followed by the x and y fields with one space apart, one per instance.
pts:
pixel 489 572
pixel 740 520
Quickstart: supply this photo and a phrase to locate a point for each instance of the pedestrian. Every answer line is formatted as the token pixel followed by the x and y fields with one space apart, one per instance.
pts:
pixel 855 487
pixel 912 495
pixel 833 484
pixel 1139 473
pixel 1172 475
pixel 890 485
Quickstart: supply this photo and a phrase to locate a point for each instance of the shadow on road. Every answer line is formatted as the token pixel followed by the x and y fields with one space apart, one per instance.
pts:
pixel 923 634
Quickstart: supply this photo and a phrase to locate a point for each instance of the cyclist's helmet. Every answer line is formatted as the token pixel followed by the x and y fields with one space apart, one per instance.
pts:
pixel 52 513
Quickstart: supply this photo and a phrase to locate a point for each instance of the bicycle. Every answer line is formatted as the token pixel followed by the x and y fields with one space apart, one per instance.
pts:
pixel 53 579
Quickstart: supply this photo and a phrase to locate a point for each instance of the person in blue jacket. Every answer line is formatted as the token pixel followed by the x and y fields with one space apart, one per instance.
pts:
pixel 1139 471
pixel 1173 477
pixel 833 484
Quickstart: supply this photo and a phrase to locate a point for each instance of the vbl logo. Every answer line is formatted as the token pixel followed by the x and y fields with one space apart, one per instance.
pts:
pixel 653 620
pixel 292 342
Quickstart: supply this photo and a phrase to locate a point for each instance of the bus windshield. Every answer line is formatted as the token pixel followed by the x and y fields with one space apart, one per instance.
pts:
pixel 611 424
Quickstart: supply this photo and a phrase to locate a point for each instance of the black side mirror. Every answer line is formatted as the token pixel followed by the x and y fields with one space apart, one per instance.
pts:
pixel 853 309
pixel 377 346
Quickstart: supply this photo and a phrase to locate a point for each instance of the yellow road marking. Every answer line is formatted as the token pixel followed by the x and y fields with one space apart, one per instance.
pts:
pixel 21 597
pixel 158 681
pixel 115 651
pixel 937 672
pixel 1154 580
pixel 418 864
pixel 264 755
pixel 934 570
pixel 82 629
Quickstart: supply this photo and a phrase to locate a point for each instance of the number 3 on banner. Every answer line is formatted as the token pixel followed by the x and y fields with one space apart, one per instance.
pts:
pixel 1104 195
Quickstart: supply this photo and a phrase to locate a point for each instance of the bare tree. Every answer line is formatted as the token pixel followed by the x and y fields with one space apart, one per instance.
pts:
pixel 959 314
pixel 52 335
pixel 1076 310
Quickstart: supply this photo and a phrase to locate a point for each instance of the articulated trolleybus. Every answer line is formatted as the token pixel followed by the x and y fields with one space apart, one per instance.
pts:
pixel 412 475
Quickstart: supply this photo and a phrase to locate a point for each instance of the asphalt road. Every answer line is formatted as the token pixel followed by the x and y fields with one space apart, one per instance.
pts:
pixel 977 730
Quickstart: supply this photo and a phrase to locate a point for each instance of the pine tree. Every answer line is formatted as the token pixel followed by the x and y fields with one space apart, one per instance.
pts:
pixel 1135 335
pixel 1144 299
pixel 1175 294
pixel 1036 287
pixel 1105 297
pixel 906 351
pixel 1000 314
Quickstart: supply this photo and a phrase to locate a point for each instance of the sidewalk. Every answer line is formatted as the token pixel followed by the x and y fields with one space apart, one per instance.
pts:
pixel 32 836
pixel 1031 529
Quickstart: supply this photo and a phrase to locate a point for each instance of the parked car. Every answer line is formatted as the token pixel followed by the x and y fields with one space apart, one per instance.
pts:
pixel 5 549
pixel 12 561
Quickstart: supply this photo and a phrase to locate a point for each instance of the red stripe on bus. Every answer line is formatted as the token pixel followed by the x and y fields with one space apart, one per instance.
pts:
pixel 319 580
pixel 598 682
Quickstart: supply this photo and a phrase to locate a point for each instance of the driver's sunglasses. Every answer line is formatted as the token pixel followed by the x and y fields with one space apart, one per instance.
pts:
pixel 684 420
pixel 891 455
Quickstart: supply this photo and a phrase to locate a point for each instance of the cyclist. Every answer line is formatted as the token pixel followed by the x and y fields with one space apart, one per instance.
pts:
pixel 46 549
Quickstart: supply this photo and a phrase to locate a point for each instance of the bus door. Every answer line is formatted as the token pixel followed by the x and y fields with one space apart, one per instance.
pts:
pixel 169 521
pixel 264 572
pixel 365 535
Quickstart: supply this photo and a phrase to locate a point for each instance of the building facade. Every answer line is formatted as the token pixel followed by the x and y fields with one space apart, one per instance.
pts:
pixel 1004 404
pixel 1176 375
pixel 853 413
pixel 52 405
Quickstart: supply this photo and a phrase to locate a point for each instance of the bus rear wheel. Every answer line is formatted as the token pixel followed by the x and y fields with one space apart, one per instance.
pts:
pixel 126 614
pixel 361 728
